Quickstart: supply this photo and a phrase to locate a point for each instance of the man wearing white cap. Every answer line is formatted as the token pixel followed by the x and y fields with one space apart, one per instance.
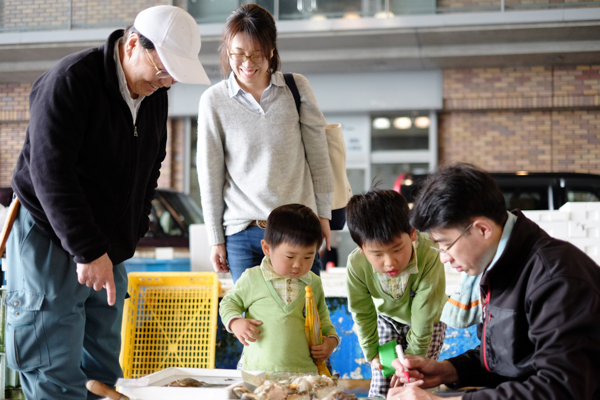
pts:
pixel 86 177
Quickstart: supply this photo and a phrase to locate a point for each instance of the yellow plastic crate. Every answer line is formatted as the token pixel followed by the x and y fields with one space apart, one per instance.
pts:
pixel 169 321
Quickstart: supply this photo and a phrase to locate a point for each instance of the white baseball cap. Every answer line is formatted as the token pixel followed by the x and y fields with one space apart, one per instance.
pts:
pixel 176 38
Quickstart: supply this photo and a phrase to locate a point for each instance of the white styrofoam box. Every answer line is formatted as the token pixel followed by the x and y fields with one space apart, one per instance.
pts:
pixel 334 282
pixel 164 253
pixel 590 246
pixel 559 230
pixel 199 248
pixel 584 229
pixel 546 215
pixel 582 211
pixel 151 387
pixel 200 251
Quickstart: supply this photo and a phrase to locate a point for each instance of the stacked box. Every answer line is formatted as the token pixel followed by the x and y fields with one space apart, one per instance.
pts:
pixel 555 223
pixel 577 223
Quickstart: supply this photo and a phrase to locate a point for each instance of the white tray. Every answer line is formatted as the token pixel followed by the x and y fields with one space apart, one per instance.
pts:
pixel 151 387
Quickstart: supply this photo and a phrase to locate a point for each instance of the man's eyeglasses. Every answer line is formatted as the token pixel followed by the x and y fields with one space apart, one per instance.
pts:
pixel 160 73
pixel 443 251
pixel 241 57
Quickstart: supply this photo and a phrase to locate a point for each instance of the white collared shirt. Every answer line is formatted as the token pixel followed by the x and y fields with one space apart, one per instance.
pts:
pixel 506 231
pixel 247 100
pixel 133 104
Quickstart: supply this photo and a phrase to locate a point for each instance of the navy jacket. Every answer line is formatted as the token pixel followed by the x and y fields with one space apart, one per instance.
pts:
pixel 541 330
pixel 85 173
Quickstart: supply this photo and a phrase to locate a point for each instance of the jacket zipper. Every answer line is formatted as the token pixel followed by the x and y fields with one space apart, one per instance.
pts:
pixel 486 318
pixel 135 155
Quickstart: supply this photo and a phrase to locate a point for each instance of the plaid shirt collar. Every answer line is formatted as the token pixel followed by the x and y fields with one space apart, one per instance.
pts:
pixel 270 274
pixel 396 286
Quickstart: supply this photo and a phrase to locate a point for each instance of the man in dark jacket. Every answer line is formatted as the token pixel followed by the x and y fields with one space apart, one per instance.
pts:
pixel 540 336
pixel 86 177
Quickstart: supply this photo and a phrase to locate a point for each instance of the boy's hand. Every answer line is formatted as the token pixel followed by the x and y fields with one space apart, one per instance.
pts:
pixel 246 330
pixel 321 352
pixel 376 364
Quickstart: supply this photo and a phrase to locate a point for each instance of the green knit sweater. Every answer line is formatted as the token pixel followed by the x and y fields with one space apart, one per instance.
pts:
pixel 420 310
pixel 283 346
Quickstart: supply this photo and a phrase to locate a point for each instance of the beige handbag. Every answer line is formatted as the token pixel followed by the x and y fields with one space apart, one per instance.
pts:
pixel 337 157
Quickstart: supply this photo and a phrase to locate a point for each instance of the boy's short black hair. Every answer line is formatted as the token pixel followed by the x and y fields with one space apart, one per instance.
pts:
pixel 452 196
pixel 377 216
pixel 294 224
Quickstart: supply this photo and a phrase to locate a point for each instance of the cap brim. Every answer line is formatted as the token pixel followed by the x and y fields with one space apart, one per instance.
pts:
pixel 182 69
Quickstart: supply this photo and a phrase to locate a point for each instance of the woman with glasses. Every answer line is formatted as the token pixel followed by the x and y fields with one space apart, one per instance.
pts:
pixel 256 151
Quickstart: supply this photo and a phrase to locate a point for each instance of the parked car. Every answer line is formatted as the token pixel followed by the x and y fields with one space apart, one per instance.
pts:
pixel 171 216
pixel 527 191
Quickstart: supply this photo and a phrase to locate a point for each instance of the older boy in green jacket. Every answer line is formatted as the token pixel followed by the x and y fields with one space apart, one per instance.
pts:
pixel 395 280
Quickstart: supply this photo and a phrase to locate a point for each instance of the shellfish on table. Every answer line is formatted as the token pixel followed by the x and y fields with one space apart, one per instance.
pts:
pixel 309 387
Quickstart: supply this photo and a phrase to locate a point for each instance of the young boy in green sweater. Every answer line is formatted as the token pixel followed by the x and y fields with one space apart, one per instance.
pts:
pixel 272 296
pixel 395 280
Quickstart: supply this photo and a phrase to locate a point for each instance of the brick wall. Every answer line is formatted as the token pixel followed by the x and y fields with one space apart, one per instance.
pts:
pixel 171 171
pixel 536 119
pixel 472 5
pixel 62 14
pixel 109 12
pixel 32 14
pixel 177 153
pixel 14 116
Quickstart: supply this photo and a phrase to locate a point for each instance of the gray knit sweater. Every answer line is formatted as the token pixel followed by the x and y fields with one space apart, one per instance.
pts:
pixel 249 164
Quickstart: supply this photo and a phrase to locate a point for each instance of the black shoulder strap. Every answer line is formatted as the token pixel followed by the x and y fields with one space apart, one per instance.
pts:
pixel 289 80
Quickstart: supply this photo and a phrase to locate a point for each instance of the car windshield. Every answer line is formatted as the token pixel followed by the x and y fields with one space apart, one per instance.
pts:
pixel 187 210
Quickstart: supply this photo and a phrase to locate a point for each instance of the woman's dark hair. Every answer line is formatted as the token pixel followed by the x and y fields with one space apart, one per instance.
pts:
pixel 258 24
pixel 377 216
pixel 452 196
pixel 294 224
pixel 144 41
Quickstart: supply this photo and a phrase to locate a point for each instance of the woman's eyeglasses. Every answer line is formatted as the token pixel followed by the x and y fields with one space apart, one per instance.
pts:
pixel 241 57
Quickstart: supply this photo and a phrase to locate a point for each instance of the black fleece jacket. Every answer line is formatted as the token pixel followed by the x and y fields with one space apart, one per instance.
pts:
pixel 85 173
pixel 541 330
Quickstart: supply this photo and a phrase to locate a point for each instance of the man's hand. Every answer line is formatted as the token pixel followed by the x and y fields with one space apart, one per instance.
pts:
pixel 218 258
pixel 395 380
pixel 326 232
pixel 246 330
pixel 99 274
pixel 411 391
pixel 321 352
pixel 430 372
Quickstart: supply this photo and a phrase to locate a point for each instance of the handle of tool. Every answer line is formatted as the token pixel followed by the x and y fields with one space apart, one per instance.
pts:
pixel 13 211
pixel 100 389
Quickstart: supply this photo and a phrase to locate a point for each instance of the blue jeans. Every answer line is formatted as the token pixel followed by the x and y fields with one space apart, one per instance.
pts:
pixel 59 333
pixel 244 251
